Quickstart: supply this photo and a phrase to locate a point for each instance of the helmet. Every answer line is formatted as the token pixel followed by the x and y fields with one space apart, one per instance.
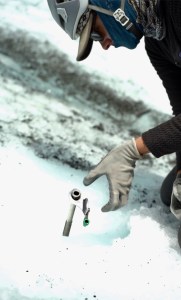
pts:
pixel 76 17
pixel 67 14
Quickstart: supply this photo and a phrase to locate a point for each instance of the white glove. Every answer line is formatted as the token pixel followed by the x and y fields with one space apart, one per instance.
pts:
pixel 118 165
pixel 175 205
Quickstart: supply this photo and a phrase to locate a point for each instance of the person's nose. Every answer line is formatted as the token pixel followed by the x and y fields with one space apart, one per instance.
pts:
pixel 106 42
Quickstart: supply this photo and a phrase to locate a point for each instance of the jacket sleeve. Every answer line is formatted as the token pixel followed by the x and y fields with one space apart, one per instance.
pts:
pixel 168 71
pixel 166 137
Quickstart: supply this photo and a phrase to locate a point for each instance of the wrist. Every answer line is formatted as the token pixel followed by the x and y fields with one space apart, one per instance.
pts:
pixel 140 145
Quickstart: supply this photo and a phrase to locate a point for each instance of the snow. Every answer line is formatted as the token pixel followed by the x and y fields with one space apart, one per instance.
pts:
pixel 136 245
pixel 54 126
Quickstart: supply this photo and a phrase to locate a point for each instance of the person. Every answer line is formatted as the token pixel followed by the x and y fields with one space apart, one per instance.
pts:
pixel 123 24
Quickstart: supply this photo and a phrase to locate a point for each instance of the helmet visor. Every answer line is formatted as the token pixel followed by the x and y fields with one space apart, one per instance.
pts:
pixel 85 41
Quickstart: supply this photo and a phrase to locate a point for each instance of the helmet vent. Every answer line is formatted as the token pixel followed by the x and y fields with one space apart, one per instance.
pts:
pixel 62 14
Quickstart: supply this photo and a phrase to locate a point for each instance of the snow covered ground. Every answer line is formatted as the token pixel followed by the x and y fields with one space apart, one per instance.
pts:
pixel 57 119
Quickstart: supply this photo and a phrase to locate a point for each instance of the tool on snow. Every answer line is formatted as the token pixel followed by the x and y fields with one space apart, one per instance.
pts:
pixel 75 202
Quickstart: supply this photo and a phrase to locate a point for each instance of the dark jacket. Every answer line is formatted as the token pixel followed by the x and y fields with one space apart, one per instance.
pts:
pixel 165 56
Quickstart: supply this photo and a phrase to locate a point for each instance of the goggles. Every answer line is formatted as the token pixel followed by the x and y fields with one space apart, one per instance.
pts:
pixel 96 37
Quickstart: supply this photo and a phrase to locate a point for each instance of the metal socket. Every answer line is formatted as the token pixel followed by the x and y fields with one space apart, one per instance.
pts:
pixel 75 194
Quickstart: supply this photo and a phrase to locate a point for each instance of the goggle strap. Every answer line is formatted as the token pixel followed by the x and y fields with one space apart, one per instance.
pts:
pixel 130 26
pixel 105 11
pixel 100 9
pixel 122 4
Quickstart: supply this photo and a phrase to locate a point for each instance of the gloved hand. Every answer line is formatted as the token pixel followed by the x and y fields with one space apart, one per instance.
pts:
pixel 118 165
pixel 175 205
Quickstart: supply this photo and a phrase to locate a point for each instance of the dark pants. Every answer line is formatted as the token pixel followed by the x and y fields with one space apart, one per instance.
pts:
pixel 167 184
pixel 166 187
pixel 178 160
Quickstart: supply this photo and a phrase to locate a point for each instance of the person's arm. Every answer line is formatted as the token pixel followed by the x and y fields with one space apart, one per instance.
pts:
pixel 169 73
pixel 118 165
pixel 165 138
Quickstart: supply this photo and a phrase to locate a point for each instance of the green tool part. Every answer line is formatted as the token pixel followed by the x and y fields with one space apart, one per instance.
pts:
pixel 86 222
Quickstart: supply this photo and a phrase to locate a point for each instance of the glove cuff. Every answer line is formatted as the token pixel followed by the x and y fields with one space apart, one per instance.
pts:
pixel 136 152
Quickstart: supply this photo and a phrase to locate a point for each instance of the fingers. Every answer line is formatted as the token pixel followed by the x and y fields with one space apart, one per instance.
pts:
pixel 116 201
pixel 94 174
pixel 107 207
pixel 91 177
pixel 124 200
